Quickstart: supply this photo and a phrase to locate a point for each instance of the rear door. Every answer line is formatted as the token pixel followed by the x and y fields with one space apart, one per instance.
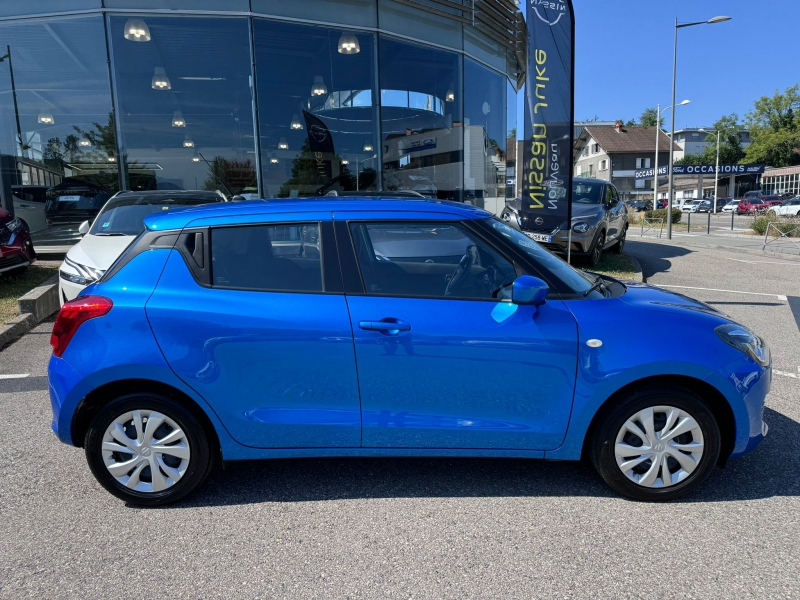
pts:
pixel 615 210
pixel 253 318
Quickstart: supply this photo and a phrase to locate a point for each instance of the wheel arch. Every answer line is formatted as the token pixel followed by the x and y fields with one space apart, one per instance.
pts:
pixel 99 397
pixel 715 400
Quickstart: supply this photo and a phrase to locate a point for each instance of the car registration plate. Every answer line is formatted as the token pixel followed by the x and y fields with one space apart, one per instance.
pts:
pixel 539 237
pixel 69 198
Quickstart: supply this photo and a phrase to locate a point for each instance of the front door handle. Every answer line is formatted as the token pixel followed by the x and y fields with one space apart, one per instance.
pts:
pixel 385 326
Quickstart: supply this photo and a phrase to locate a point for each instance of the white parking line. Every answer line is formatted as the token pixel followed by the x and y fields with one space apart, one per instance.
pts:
pixel 686 287
pixel 785 374
pixel 18 376
pixel 763 262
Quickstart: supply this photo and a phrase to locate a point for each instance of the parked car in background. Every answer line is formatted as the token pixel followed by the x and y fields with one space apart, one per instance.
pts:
pixel 753 194
pixel 639 205
pixel 731 206
pixel 707 205
pixel 599 222
pixel 772 200
pixel 29 202
pixel 421 329
pixel 690 206
pixel 751 206
pixel 73 201
pixel 16 247
pixel 790 208
pixel 117 225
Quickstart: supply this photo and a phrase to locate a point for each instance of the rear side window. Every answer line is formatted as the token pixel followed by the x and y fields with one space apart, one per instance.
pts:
pixel 267 257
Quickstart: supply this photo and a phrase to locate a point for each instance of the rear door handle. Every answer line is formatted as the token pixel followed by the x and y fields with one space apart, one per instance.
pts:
pixel 385 326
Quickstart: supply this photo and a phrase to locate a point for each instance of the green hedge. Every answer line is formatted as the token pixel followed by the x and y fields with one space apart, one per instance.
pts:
pixel 760 224
pixel 661 213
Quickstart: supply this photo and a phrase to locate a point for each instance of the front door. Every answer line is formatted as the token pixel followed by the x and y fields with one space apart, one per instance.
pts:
pixel 265 341
pixel 442 362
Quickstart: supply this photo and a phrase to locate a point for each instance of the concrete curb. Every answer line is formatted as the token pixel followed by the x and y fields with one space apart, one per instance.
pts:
pixel 34 307
pixel 638 275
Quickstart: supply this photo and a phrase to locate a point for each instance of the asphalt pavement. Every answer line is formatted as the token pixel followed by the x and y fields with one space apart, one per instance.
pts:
pixel 420 528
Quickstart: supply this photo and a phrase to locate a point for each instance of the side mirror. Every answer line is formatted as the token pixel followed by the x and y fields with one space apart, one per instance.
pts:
pixel 237 198
pixel 528 289
pixel 613 203
pixel 84 228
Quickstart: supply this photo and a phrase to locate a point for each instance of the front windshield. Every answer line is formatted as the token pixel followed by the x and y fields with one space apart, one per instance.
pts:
pixel 546 262
pixel 584 192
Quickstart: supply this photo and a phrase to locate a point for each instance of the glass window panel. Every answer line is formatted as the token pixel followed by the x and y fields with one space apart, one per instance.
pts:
pixel 312 98
pixel 63 102
pixel 420 24
pixel 184 102
pixel 10 8
pixel 180 4
pixel 485 134
pixel 267 257
pixel 422 134
pixel 349 12
pixel 484 48
pixel 512 145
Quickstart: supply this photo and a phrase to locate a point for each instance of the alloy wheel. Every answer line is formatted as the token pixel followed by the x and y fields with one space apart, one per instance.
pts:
pixel 659 446
pixel 145 451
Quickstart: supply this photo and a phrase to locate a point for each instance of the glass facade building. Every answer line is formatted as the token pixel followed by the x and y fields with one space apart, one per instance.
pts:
pixel 256 98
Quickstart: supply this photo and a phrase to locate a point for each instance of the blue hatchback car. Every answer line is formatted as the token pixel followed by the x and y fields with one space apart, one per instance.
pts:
pixel 387 327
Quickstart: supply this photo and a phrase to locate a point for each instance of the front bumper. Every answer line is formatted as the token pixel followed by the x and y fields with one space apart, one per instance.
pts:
pixel 16 251
pixel 580 243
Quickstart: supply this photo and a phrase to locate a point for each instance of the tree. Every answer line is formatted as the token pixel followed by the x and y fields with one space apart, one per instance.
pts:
pixel 730 147
pixel 780 111
pixel 230 174
pixel 775 148
pixel 650 118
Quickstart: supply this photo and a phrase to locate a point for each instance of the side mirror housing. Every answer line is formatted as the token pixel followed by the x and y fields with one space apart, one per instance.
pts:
pixel 528 289
pixel 84 228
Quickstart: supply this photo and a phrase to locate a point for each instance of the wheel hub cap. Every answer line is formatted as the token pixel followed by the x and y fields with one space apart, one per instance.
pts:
pixel 145 451
pixel 659 446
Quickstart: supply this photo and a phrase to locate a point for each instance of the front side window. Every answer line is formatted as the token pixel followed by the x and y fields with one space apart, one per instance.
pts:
pixel 435 260
pixel 267 257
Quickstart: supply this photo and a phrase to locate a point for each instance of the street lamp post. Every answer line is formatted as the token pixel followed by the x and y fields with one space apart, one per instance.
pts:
pixel 660 112
pixel 7 55
pixel 716 170
pixel 672 128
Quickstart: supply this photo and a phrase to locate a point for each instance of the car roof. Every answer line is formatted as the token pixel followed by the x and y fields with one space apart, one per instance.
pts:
pixel 391 209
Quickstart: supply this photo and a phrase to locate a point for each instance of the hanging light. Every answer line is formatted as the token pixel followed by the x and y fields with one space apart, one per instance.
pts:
pixel 450 96
pixel 195 157
pixel 282 144
pixel 318 89
pixel 160 80
pixel 136 31
pixel 273 159
pixel 296 123
pixel 46 118
pixel 111 157
pixel 188 142
pixel 178 120
pixel 368 147
pixel 345 161
pixel 348 44
pixel 84 142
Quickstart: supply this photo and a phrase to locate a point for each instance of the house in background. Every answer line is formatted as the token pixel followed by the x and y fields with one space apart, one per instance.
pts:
pixel 692 141
pixel 614 153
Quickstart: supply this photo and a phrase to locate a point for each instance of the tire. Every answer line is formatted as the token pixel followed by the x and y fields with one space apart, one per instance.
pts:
pixel 596 253
pixel 184 463
pixel 645 480
pixel 620 245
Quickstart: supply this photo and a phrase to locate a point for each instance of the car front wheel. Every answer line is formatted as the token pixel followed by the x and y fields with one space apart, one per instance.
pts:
pixel 147 449
pixel 620 245
pixel 597 250
pixel 657 444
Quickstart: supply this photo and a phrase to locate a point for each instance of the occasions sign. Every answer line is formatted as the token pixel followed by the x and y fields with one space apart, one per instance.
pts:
pixel 547 148
pixel 752 169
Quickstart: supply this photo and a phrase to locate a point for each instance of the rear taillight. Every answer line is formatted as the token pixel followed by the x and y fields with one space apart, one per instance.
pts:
pixel 72 315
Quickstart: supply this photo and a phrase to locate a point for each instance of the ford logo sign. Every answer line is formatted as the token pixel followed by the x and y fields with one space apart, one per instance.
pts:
pixel 539 220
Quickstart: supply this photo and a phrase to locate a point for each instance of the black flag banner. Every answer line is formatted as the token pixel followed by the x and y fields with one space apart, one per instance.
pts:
pixel 547 148
pixel 320 142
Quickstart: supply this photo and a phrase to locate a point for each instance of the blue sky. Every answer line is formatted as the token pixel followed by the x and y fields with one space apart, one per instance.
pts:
pixel 623 56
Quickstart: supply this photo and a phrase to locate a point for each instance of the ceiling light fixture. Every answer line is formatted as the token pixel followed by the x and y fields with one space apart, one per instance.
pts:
pixel 450 96
pixel 296 123
pixel 282 144
pixel 111 157
pixel 348 44
pixel 368 147
pixel 178 120
pixel 188 142
pixel 136 31
pixel 46 118
pixel 160 80
pixel 84 142
pixel 273 159
pixel 195 157
pixel 345 161
pixel 318 89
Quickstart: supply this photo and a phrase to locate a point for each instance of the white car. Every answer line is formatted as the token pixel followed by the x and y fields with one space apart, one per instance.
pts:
pixel 789 208
pixel 731 206
pixel 119 222
pixel 690 206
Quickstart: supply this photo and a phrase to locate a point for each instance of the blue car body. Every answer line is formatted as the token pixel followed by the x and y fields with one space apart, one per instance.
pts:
pixel 288 374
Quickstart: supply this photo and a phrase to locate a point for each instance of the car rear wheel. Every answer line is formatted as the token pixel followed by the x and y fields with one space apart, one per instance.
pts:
pixel 657 444
pixel 147 449
pixel 596 253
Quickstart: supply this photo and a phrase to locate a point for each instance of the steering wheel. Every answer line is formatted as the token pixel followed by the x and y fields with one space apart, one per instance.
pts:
pixel 460 275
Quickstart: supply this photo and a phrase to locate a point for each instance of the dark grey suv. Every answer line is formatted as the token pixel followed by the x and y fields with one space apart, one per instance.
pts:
pixel 599 222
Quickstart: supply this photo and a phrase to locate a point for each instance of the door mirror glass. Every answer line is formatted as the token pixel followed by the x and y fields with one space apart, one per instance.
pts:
pixel 84 228
pixel 528 289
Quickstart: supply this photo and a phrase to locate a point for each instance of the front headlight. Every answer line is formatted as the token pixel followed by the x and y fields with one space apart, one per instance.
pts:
pixel 746 341
pixel 15 225
pixel 580 228
pixel 87 273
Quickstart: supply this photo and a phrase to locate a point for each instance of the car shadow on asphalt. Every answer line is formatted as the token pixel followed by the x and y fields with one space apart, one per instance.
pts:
pixel 772 469
pixel 654 257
